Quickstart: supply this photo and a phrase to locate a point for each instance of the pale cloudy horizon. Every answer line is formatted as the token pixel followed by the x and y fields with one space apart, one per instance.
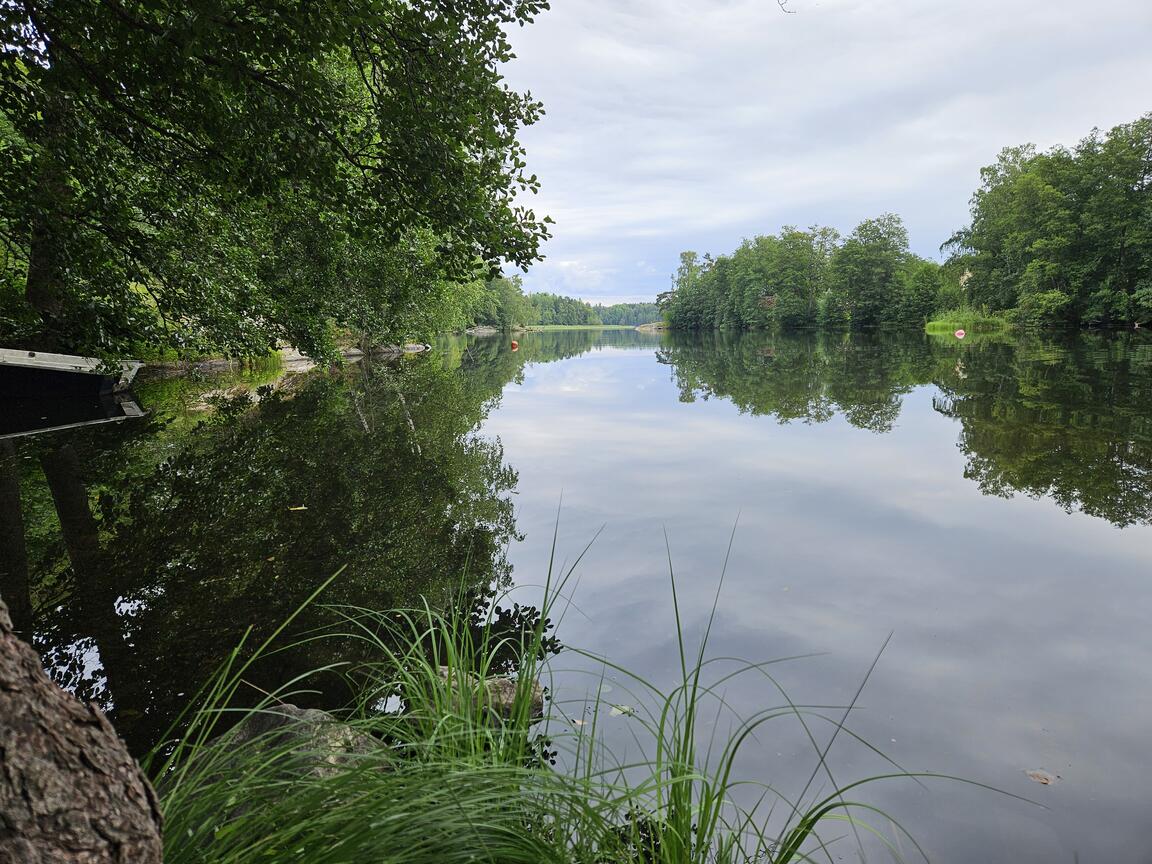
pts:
pixel 692 124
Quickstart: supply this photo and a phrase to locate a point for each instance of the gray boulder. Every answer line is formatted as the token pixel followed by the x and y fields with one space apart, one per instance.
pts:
pixel 496 692
pixel 311 741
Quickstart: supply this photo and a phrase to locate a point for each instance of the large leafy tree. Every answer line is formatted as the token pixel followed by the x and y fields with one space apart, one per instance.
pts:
pixel 865 277
pixel 1065 235
pixel 216 173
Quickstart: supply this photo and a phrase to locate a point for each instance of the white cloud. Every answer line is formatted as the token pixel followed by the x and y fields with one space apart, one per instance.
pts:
pixel 689 124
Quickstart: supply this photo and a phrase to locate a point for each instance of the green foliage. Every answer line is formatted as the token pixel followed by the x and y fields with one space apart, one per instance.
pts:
pixel 1142 302
pixel 630 314
pixel 227 176
pixel 1064 236
pixel 1043 308
pixel 919 292
pixel 555 309
pixel 503 305
pixel 865 278
pixel 802 279
pixel 954 279
pixel 967 319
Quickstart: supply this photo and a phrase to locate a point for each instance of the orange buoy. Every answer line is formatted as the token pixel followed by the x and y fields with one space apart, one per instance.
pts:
pixel 515 345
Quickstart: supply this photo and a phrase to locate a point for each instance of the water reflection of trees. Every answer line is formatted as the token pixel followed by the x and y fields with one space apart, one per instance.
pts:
pixel 148 556
pixel 1069 419
pixel 1062 416
pixel 541 346
pixel 140 554
pixel 805 377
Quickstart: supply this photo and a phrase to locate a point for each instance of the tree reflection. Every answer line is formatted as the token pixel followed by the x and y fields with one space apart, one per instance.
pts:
pixel 1067 417
pixel 806 377
pixel 170 549
pixel 139 555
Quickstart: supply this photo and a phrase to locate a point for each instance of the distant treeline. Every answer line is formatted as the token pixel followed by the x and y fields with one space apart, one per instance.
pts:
pixel 1060 237
pixel 504 304
pixel 554 309
pixel 633 314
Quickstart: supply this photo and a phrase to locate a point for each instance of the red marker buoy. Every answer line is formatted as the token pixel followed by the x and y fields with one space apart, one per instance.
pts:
pixel 515 345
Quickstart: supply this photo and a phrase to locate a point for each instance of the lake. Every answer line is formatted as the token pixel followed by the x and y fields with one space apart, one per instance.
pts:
pixel 978 509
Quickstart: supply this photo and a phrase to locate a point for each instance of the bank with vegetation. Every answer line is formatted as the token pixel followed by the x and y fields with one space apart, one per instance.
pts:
pixel 221 534
pixel 1057 238
pixel 226 181
pixel 460 767
pixel 505 306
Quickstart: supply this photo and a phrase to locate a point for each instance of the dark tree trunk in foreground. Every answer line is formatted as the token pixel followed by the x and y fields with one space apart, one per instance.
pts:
pixel 69 790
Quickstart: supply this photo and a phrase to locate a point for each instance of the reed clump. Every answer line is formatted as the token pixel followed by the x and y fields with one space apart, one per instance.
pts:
pixel 431 765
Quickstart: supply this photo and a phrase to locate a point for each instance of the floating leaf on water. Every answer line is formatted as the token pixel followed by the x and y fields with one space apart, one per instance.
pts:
pixel 622 711
pixel 1043 777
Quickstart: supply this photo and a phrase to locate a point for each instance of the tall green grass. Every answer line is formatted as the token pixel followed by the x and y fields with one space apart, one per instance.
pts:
pixel 451 776
pixel 969 319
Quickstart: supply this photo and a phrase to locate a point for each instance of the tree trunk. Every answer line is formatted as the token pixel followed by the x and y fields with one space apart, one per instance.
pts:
pixel 43 287
pixel 13 552
pixel 69 790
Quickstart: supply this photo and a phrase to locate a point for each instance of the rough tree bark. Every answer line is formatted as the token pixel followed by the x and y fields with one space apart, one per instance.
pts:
pixel 69 790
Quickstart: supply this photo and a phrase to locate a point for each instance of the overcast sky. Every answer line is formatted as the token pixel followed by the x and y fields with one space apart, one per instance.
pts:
pixel 691 124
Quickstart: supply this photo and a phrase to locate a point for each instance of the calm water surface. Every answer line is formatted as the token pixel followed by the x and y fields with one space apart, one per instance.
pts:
pixel 987 504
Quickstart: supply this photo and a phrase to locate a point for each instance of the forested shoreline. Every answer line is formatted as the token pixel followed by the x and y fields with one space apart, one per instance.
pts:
pixel 227 184
pixel 224 180
pixel 504 305
pixel 1060 237
pixel 307 612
